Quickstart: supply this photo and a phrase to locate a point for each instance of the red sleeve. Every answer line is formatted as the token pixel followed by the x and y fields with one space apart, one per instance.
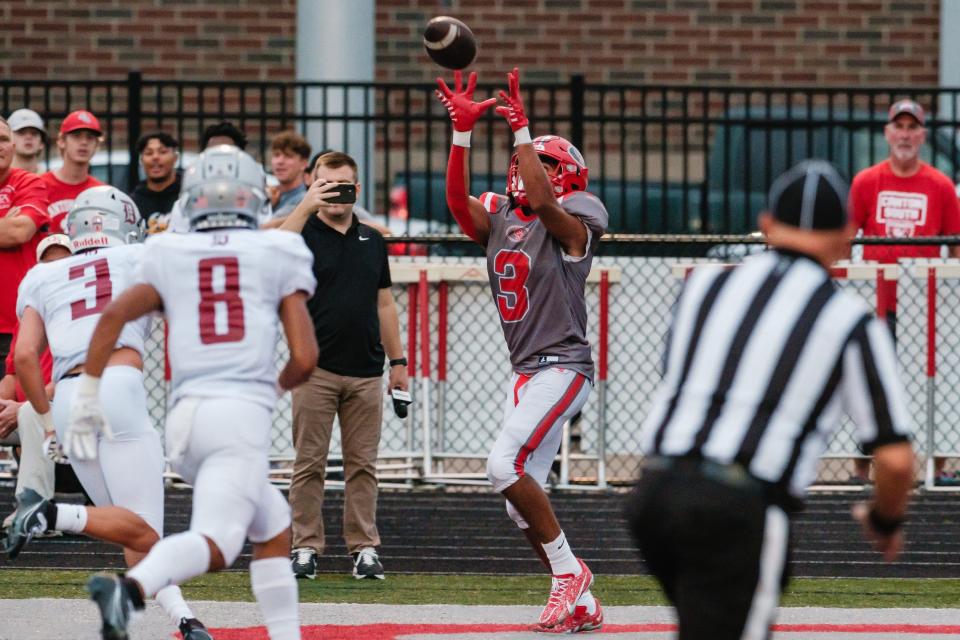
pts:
pixel 856 201
pixel 950 224
pixel 854 205
pixel 457 196
pixel 31 196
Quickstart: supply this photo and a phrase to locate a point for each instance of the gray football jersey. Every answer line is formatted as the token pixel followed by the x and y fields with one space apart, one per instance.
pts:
pixel 539 290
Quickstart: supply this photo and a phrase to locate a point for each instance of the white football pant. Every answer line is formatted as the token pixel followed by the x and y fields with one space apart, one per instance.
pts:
pixel 221 447
pixel 534 412
pixel 128 470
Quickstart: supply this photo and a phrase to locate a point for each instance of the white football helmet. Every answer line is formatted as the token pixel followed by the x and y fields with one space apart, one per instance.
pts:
pixel 101 217
pixel 224 188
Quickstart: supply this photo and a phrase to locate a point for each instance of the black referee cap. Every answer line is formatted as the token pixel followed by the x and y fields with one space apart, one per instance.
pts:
pixel 811 196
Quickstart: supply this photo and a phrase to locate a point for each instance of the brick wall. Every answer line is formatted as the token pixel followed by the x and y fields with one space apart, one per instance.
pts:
pixel 884 42
pixel 879 42
pixel 165 39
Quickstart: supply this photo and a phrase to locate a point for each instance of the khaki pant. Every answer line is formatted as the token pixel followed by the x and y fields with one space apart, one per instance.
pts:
pixel 359 404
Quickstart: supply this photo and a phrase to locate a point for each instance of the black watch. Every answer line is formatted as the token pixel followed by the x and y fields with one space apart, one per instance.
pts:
pixel 399 361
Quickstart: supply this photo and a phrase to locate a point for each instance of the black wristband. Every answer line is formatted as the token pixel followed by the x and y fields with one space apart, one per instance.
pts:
pixel 398 361
pixel 884 526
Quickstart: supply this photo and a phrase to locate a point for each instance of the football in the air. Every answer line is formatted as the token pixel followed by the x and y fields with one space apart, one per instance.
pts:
pixel 449 42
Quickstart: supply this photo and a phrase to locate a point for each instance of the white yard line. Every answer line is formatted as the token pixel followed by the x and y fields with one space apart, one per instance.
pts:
pixel 54 619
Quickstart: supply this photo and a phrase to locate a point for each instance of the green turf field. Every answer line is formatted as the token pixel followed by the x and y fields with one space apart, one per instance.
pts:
pixel 494 590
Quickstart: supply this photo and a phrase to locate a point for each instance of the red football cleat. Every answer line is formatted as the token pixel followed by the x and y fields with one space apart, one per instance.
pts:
pixel 566 590
pixel 579 622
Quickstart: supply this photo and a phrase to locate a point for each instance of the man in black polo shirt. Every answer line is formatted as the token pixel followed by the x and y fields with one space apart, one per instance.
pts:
pixel 356 321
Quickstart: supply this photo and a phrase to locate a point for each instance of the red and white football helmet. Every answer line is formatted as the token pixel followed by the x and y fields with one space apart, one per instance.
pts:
pixel 101 217
pixel 570 174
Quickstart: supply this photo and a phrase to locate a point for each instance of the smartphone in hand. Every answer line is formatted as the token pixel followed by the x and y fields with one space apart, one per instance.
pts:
pixel 346 194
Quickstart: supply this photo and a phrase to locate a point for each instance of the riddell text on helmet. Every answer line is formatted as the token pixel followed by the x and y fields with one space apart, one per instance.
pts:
pixel 89 243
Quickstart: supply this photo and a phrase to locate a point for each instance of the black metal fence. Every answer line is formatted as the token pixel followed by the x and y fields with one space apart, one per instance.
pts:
pixel 665 159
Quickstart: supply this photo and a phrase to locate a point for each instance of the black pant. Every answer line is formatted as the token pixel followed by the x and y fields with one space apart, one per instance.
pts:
pixel 5 339
pixel 709 544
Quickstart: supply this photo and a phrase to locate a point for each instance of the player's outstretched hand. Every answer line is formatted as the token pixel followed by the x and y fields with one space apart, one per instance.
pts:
pixel 464 112
pixel 513 103
pixel 888 544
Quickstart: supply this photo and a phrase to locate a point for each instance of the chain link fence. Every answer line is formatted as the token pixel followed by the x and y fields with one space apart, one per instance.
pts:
pixel 459 393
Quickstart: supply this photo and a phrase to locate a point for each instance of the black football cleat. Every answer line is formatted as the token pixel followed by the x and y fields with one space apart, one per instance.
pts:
pixel 118 598
pixel 29 520
pixel 193 629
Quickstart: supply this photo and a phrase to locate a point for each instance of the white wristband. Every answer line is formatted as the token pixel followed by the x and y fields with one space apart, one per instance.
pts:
pixel 88 385
pixel 462 138
pixel 521 136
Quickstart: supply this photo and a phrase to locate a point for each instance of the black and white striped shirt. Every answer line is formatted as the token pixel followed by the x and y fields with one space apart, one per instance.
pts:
pixel 761 361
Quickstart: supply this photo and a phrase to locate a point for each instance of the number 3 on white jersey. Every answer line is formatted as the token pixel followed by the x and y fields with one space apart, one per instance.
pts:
pixel 97 274
pixel 513 268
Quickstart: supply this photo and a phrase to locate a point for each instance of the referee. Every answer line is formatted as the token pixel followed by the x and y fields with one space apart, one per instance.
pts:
pixel 761 362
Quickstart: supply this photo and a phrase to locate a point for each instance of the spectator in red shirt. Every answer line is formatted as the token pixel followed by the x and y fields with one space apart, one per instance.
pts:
pixel 36 471
pixel 80 135
pixel 903 197
pixel 23 212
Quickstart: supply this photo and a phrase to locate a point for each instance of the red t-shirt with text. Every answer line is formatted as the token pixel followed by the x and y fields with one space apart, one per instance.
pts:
pixel 62 196
pixel 23 194
pixel 886 205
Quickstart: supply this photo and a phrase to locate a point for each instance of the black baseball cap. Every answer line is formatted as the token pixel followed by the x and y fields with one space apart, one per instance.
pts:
pixel 810 196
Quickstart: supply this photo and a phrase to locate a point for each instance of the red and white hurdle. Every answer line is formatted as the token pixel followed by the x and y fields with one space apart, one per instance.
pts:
pixel 421 279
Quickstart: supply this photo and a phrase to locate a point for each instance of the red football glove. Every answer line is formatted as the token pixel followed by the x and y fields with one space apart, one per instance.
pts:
pixel 513 111
pixel 464 112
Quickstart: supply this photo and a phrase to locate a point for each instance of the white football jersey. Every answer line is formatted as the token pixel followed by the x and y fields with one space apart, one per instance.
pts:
pixel 221 294
pixel 70 294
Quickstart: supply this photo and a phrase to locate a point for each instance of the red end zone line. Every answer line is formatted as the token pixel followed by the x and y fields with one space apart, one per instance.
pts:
pixel 388 631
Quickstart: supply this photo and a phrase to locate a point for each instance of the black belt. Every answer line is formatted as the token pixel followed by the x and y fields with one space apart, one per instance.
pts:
pixel 732 475
pixel 76 374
